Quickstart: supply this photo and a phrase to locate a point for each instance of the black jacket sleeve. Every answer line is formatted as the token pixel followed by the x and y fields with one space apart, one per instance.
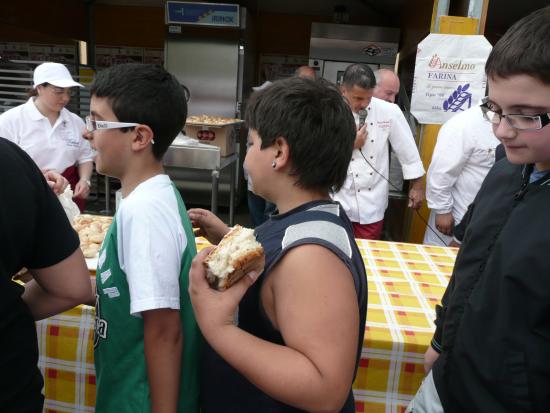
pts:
pixel 440 313
pixel 460 229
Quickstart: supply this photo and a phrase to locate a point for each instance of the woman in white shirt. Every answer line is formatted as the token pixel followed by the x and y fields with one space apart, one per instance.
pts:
pixel 49 133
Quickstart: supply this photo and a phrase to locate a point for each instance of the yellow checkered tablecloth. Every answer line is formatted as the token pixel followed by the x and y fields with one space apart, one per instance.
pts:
pixel 405 282
pixel 65 344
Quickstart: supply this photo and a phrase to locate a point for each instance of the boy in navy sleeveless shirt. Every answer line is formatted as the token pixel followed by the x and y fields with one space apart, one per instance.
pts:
pixel 288 339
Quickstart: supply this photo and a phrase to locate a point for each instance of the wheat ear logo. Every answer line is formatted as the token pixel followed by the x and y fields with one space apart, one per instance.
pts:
pixel 458 99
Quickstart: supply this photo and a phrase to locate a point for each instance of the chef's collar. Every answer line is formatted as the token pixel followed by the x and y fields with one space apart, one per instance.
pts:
pixel 35 114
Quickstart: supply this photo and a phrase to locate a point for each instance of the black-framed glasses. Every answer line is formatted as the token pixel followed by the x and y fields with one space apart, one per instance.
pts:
pixel 519 122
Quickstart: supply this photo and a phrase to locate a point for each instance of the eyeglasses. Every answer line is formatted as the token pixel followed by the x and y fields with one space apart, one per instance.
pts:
pixel 519 122
pixel 93 125
pixel 60 91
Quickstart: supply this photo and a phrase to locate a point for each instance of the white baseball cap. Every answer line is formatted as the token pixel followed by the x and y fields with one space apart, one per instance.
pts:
pixel 55 74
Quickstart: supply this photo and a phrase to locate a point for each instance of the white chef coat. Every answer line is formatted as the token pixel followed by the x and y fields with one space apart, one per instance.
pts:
pixel 54 147
pixel 364 195
pixel 462 157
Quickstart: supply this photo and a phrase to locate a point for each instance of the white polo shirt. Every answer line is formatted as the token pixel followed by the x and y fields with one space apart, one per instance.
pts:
pixel 364 195
pixel 54 147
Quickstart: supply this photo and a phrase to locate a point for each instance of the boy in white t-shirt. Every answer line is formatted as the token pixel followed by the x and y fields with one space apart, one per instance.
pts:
pixel 146 340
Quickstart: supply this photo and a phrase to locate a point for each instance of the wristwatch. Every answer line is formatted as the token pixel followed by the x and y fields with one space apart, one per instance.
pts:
pixel 88 182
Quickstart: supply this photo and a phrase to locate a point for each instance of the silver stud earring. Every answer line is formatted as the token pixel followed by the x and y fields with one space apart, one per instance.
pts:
pixel 273 164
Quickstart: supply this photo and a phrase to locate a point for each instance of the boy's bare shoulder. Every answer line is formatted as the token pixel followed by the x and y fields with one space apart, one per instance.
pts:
pixel 312 264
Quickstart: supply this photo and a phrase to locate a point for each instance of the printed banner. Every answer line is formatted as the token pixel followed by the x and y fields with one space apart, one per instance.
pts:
pixel 61 53
pixel 53 53
pixel 106 56
pixel 449 76
pixel 14 51
pixel 153 56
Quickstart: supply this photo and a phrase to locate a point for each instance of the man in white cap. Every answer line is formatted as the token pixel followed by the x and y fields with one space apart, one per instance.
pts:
pixel 48 132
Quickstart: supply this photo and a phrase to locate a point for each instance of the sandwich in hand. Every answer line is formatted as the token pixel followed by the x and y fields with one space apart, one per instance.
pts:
pixel 237 254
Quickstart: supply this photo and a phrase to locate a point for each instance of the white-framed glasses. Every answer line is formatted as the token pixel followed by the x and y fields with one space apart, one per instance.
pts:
pixel 519 122
pixel 93 125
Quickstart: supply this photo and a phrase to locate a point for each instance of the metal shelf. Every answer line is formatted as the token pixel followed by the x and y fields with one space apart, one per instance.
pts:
pixel 206 157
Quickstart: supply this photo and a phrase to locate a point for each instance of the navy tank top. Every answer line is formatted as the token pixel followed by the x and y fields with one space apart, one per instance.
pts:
pixel 318 222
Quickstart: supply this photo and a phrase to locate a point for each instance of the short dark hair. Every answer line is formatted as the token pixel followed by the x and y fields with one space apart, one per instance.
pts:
pixel 147 94
pixel 315 121
pixel 524 49
pixel 358 74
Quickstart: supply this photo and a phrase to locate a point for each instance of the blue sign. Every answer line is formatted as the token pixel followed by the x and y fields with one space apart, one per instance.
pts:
pixel 202 14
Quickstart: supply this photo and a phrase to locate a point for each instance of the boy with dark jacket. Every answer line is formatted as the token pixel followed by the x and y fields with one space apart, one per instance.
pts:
pixel 491 348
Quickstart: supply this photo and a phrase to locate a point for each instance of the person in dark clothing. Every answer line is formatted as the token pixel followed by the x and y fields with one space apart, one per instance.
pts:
pixel 491 348
pixel 300 324
pixel 34 233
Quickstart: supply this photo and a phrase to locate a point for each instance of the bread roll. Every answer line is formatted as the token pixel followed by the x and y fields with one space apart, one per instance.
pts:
pixel 237 254
pixel 91 231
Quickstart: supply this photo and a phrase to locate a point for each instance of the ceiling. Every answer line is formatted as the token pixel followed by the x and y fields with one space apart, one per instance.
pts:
pixel 501 14
pixel 303 7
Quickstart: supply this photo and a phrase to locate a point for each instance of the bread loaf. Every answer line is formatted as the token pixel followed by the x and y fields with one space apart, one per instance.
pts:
pixel 237 254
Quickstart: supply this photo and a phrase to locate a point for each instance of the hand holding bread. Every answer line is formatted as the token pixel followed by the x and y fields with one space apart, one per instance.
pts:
pixel 237 254
pixel 215 269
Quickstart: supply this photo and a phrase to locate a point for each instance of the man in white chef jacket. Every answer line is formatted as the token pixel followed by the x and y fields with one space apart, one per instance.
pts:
pixel 463 155
pixel 364 195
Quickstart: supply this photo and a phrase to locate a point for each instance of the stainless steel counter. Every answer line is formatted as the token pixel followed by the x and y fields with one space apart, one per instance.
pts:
pixel 206 157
